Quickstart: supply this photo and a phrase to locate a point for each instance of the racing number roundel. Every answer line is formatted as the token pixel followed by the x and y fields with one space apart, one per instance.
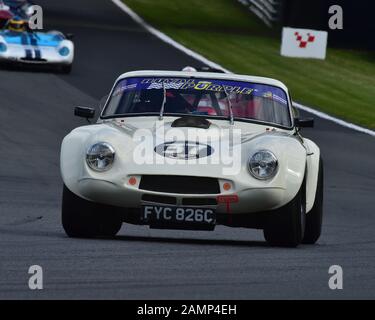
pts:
pixel 184 150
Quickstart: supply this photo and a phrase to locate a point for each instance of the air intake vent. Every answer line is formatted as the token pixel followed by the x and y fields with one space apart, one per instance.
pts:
pixel 159 199
pixel 180 184
pixel 34 59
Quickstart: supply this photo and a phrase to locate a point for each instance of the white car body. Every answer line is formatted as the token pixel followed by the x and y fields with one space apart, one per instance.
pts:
pixel 44 50
pixel 298 160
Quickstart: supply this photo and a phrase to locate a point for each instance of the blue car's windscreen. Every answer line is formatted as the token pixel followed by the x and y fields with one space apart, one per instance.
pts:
pixel 200 97
pixel 32 38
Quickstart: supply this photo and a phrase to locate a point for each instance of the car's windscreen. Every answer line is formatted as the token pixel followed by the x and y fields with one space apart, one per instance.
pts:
pixel 199 97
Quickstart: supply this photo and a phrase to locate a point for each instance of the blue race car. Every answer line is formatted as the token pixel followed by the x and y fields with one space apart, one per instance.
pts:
pixel 20 45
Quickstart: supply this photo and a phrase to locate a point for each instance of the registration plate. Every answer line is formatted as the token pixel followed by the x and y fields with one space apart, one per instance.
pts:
pixel 173 217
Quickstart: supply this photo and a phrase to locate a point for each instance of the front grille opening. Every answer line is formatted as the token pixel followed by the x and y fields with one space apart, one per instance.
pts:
pixel 180 184
pixel 159 199
pixel 34 59
pixel 199 202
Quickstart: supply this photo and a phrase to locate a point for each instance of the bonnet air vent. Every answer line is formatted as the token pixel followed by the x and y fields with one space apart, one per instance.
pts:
pixel 180 184
pixel 193 122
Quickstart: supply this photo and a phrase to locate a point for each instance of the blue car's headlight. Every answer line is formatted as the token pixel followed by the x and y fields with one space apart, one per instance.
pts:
pixel 64 51
pixel 3 47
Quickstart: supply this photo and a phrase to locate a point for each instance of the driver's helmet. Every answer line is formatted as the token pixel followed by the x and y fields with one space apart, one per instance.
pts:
pixel 17 24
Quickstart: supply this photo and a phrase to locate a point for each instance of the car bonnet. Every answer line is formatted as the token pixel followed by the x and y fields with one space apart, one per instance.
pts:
pixel 38 39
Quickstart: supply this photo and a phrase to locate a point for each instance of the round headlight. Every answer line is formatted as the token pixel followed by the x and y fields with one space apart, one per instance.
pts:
pixel 100 156
pixel 64 51
pixel 3 47
pixel 263 165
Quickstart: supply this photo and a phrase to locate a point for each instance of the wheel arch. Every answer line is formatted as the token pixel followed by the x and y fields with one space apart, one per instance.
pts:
pixel 312 172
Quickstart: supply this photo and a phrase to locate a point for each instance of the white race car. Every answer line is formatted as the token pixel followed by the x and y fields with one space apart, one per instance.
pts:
pixel 37 48
pixel 190 150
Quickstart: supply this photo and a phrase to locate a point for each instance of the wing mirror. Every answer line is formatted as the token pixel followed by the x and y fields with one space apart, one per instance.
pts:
pixel 69 36
pixel 84 112
pixel 304 122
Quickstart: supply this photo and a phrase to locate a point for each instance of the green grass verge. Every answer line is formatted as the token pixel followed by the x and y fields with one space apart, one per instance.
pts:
pixel 225 32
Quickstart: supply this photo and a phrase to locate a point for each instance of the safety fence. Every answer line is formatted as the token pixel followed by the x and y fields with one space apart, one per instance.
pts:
pixel 269 11
pixel 358 18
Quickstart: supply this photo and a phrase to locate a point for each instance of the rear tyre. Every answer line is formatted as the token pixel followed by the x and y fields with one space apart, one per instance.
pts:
pixel 314 218
pixel 86 219
pixel 287 225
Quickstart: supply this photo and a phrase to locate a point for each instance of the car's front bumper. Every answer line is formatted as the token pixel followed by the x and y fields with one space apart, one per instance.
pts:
pixel 47 56
pixel 24 61
pixel 236 201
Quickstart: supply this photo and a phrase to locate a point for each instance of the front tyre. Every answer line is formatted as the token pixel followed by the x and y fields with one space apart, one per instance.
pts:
pixel 287 225
pixel 86 219
pixel 66 69
pixel 314 218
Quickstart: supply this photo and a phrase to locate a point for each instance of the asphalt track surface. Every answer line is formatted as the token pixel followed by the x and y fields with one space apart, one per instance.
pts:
pixel 36 113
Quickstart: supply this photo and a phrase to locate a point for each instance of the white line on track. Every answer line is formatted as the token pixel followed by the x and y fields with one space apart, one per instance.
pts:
pixel 162 36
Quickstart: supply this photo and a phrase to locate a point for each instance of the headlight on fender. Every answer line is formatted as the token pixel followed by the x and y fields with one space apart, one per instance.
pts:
pixel 3 47
pixel 64 51
pixel 263 165
pixel 100 156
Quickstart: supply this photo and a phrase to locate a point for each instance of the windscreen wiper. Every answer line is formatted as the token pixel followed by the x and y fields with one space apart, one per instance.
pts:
pixel 161 114
pixel 231 117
